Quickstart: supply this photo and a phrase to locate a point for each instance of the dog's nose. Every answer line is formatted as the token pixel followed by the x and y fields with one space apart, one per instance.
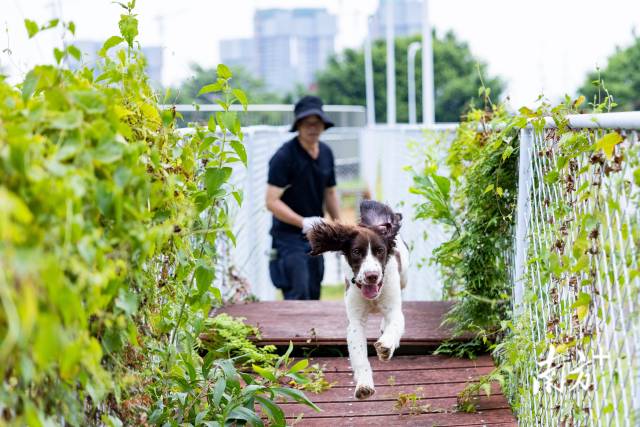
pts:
pixel 371 277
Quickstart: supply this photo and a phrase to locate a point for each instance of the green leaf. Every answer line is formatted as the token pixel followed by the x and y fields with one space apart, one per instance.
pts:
pixel 242 97
pixel 242 413
pixel 72 27
pixel 217 294
pixel 608 142
pixel 67 120
pixel 214 178
pixel 111 42
pixel 227 119
pixel 90 101
pixel 488 188
pixel 230 373
pixel 29 85
pixel 555 265
pixel 299 366
pixel 211 125
pixel 238 196
pixel 285 357
pixel 273 411
pixel 128 28
pixel 127 301
pixel 204 277
pixel 582 299
pixel 58 55
pixel 507 152
pixel 213 87
pixel 527 112
pixel 486 387
pixel 238 147
pixel 32 27
pixel 551 177
pixel 296 395
pixel 636 176
pixel 265 373
pixel 224 72
pixel 51 24
pixel 75 52
pixel 218 390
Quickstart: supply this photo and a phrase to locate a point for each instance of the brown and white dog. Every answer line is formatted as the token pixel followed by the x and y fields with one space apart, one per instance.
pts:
pixel 378 261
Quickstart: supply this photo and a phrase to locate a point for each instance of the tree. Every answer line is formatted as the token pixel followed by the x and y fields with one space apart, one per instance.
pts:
pixel 254 87
pixel 620 77
pixel 456 78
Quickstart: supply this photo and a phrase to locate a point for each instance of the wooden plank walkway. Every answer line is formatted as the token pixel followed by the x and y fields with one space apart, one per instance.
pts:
pixel 325 322
pixel 434 380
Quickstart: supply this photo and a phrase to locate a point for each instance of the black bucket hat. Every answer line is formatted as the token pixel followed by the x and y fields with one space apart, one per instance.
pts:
pixel 310 106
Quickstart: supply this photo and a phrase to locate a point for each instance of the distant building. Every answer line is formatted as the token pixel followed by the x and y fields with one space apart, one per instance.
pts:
pixel 407 16
pixel 239 52
pixel 90 48
pixel 289 46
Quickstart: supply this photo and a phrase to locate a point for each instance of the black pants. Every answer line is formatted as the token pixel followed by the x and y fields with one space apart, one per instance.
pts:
pixel 292 270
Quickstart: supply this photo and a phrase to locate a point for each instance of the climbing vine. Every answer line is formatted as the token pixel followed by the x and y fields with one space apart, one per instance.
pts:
pixel 475 200
pixel 110 223
pixel 561 349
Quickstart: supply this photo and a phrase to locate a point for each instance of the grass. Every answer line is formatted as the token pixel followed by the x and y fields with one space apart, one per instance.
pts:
pixel 332 292
pixel 329 292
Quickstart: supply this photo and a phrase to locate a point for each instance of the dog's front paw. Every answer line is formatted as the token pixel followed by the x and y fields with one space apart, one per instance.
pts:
pixel 384 351
pixel 364 391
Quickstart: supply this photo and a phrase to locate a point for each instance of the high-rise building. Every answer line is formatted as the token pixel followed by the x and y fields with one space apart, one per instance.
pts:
pixel 239 52
pixel 289 46
pixel 90 49
pixel 407 17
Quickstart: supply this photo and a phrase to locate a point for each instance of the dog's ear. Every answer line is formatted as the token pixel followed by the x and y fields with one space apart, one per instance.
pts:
pixel 327 237
pixel 388 230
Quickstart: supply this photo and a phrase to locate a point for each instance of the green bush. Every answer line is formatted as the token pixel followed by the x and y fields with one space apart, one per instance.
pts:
pixel 110 222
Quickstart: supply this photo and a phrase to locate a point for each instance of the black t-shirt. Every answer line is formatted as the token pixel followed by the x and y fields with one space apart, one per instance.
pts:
pixel 304 180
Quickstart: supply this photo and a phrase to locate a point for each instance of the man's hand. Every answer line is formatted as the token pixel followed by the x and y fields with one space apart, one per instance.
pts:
pixel 309 222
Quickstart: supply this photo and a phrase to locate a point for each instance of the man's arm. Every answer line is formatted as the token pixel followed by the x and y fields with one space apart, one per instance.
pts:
pixel 279 209
pixel 331 202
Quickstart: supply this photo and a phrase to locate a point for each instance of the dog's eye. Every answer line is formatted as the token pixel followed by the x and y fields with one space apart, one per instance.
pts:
pixel 379 250
pixel 356 252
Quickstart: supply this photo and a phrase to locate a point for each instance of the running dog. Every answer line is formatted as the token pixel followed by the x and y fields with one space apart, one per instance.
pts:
pixel 378 261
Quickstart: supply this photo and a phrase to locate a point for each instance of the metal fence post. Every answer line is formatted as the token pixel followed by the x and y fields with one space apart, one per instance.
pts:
pixel 524 214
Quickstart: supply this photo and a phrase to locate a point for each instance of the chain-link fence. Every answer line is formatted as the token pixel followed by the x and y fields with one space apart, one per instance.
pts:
pixel 576 272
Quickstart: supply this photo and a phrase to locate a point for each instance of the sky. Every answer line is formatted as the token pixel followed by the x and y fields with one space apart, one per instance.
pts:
pixel 542 46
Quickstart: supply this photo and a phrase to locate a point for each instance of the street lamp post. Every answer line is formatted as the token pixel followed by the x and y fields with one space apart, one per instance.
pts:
pixel 428 103
pixel 391 66
pixel 368 73
pixel 411 80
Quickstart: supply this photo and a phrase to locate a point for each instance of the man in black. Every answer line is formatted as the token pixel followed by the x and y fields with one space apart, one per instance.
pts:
pixel 301 180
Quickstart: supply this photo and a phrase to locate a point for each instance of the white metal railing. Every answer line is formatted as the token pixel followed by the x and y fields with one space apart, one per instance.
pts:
pixel 590 375
pixel 373 158
pixel 270 114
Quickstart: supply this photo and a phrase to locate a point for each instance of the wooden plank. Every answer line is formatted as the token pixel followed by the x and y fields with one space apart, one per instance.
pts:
pixel 427 376
pixel 493 418
pixel 325 322
pixel 397 363
pixel 387 392
pixel 378 408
